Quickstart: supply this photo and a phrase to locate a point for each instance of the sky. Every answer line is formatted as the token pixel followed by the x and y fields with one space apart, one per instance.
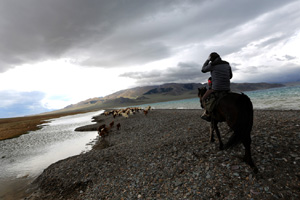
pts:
pixel 54 53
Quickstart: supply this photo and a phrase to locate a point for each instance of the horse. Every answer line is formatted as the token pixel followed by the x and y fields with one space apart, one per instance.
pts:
pixel 237 111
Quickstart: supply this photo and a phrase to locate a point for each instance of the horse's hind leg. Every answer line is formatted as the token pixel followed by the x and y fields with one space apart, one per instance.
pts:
pixel 247 158
pixel 211 130
pixel 221 147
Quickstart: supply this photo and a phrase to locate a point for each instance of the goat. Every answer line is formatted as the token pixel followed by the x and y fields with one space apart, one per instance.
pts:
pixel 111 124
pixel 118 126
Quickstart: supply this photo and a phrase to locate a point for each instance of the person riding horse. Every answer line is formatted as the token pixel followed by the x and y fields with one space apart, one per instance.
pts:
pixel 209 83
pixel 221 74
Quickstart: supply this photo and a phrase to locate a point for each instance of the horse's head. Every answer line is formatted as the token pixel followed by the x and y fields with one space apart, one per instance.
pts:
pixel 201 92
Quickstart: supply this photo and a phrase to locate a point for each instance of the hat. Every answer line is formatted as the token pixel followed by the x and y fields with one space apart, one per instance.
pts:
pixel 214 55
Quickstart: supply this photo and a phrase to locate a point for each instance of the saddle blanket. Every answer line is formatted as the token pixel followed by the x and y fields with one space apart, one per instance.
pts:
pixel 213 99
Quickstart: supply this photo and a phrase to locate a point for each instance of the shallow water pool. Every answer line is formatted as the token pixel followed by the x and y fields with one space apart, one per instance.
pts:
pixel 25 157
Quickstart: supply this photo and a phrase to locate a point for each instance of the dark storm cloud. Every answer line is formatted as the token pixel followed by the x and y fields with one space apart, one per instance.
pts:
pixel 108 33
pixel 286 58
pixel 182 73
pixel 273 40
pixel 34 30
pixel 234 66
pixel 290 72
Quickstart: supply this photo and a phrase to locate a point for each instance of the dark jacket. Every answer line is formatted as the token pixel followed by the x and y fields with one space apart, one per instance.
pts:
pixel 220 73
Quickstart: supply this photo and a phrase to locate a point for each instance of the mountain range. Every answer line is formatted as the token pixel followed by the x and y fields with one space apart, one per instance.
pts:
pixel 155 93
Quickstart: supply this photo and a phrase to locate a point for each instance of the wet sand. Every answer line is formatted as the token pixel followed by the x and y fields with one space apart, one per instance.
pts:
pixel 15 189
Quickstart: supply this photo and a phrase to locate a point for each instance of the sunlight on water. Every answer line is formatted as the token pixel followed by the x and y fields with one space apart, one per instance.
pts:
pixel 29 154
pixel 284 98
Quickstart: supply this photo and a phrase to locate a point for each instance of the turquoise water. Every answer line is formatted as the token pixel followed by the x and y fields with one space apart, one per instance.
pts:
pixel 284 98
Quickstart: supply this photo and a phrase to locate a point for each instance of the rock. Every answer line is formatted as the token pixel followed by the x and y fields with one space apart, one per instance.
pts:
pixel 236 174
pixel 254 192
pixel 266 189
pixel 208 176
pixel 177 182
pixel 235 167
pixel 294 155
pixel 154 157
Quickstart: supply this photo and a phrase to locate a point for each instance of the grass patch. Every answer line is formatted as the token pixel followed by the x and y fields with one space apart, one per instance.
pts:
pixel 14 127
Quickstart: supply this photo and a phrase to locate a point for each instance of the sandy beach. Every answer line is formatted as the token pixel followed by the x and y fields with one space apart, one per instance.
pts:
pixel 166 154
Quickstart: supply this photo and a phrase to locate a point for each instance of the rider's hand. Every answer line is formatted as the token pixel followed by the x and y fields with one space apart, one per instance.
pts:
pixel 208 58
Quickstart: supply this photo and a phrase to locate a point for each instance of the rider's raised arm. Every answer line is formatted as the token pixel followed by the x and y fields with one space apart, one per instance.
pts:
pixel 206 67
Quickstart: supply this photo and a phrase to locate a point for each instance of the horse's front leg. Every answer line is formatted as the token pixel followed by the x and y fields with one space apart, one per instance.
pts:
pixel 211 131
pixel 215 124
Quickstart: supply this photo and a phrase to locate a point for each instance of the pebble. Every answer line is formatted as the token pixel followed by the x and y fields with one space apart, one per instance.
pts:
pixel 235 167
pixel 294 155
pixel 236 174
pixel 254 192
pixel 266 189
pixel 208 176
pixel 177 183
pixel 154 158
pixel 250 177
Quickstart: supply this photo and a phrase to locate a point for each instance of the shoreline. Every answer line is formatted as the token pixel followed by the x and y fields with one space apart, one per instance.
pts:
pixel 166 154
pixel 16 189
pixel 17 126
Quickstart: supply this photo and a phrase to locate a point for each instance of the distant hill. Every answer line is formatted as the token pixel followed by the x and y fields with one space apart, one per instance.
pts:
pixel 241 87
pixel 156 93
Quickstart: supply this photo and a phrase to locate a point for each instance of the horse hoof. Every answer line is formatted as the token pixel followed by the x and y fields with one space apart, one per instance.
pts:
pixel 255 170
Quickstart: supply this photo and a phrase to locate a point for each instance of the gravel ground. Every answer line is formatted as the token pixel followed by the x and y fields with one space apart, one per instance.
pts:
pixel 167 155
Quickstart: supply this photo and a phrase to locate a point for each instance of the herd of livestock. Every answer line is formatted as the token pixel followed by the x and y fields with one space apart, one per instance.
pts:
pixel 103 130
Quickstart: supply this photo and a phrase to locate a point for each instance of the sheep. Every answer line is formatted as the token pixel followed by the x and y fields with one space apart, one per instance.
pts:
pixel 125 115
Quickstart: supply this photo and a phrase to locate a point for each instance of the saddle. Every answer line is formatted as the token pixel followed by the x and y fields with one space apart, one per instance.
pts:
pixel 213 99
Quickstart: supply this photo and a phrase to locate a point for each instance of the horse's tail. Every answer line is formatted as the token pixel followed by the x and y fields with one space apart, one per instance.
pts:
pixel 244 123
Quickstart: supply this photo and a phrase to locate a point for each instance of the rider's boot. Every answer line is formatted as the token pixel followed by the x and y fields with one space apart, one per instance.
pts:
pixel 206 116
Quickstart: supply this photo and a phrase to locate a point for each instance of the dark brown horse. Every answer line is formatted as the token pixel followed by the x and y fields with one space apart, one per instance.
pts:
pixel 237 111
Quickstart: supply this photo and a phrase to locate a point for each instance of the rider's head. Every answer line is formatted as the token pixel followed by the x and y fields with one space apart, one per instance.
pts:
pixel 214 55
